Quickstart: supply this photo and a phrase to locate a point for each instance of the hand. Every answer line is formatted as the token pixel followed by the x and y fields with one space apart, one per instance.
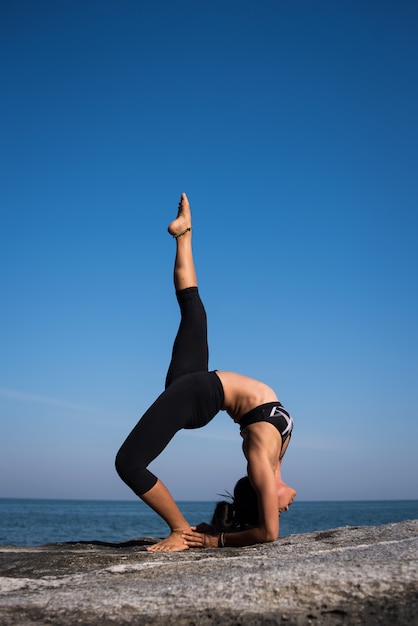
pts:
pixel 194 539
pixel 204 528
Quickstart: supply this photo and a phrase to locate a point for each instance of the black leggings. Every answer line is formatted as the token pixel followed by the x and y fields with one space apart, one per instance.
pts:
pixel 192 397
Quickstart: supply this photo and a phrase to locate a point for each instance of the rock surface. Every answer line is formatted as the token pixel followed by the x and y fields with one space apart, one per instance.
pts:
pixel 351 575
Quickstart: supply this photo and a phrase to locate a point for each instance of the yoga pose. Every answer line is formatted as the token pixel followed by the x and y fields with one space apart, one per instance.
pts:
pixel 192 397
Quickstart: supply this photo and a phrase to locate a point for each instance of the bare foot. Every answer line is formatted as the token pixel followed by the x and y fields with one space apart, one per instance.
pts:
pixel 173 543
pixel 183 220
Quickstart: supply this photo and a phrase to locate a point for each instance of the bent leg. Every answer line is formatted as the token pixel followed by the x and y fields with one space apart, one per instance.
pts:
pixel 146 441
pixel 190 402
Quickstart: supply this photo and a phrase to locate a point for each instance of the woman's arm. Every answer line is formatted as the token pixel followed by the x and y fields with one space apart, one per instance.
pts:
pixel 249 537
pixel 262 477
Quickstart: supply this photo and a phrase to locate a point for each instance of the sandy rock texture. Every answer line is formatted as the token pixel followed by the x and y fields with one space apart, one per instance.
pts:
pixel 351 575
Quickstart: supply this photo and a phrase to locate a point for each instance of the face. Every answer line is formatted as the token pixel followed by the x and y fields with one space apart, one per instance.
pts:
pixel 286 498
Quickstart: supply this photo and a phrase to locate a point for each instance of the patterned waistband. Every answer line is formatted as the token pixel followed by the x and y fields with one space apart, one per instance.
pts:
pixel 265 412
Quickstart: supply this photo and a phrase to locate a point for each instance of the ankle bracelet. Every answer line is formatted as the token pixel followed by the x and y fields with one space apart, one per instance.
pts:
pixel 183 233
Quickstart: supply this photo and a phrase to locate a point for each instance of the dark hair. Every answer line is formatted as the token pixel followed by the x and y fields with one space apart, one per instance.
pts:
pixel 239 514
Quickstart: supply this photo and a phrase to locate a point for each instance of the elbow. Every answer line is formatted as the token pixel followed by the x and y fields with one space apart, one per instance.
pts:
pixel 268 535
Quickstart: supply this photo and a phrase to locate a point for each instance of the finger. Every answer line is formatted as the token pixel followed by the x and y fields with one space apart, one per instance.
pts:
pixel 192 544
pixel 191 535
pixel 193 541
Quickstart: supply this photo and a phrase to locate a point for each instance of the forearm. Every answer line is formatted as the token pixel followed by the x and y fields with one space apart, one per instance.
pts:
pixel 195 539
pixel 236 540
pixel 244 538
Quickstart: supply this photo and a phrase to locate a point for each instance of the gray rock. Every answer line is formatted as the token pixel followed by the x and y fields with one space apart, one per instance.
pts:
pixel 350 575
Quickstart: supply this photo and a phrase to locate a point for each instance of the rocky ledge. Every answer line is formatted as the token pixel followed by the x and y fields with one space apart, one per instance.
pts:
pixel 351 575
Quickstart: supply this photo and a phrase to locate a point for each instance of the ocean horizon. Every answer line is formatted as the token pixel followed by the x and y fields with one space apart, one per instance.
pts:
pixel 32 522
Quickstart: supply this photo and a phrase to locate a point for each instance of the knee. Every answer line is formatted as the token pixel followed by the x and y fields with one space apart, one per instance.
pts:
pixel 133 473
pixel 129 463
pixel 122 464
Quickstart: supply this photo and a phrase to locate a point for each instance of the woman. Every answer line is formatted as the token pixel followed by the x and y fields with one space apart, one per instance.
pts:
pixel 192 397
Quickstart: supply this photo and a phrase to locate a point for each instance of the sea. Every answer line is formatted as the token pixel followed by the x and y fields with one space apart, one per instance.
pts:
pixel 25 522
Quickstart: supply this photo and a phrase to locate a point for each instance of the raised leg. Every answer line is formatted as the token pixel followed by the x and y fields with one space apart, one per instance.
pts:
pixel 180 228
pixel 190 350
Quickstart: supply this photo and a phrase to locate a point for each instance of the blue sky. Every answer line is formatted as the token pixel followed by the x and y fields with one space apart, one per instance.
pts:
pixel 292 126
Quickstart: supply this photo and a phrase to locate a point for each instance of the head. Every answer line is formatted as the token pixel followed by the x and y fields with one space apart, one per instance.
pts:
pixel 242 513
pixel 239 514
pixel 245 504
